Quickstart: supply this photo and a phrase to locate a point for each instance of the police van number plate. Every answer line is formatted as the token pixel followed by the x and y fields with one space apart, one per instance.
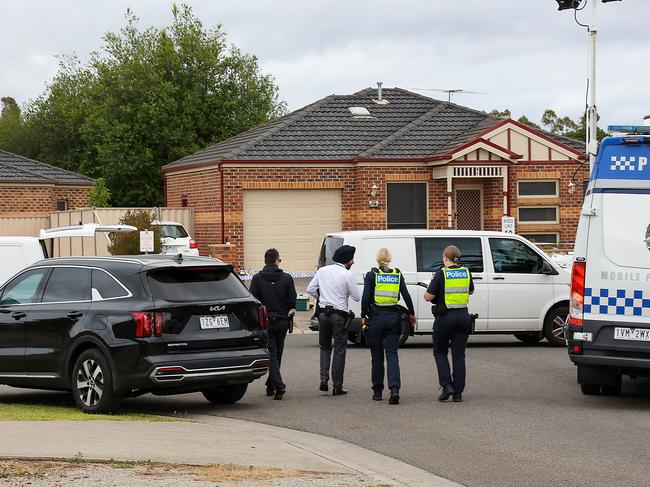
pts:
pixel 210 322
pixel 636 334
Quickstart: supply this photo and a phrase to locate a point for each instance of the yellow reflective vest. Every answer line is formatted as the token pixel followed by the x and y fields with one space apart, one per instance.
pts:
pixel 387 287
pixel 457 283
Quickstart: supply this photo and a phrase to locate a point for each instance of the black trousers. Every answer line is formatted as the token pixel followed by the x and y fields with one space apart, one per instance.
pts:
pixel 451 330
pixel 331 330
pixel 277 332
pixel 382 336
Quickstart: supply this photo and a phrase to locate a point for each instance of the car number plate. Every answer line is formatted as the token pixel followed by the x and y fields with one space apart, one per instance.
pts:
pixel 210 322
pixel 635 334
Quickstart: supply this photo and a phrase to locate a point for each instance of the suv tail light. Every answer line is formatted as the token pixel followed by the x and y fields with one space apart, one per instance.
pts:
pixel 147 324
pixel 193 244
pixel 263 317
pixel 576 306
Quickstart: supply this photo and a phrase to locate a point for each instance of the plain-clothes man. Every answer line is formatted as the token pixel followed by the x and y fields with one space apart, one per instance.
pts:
pixel 332 286
pixel 275 290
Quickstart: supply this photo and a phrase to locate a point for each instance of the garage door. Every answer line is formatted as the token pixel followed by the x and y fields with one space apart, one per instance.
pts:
pixel 293 221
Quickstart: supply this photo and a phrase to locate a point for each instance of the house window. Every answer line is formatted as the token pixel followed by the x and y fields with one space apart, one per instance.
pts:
pixel 538 214
pixel 61 205
pixel 406 205
pixel 542 238
pixel 537 189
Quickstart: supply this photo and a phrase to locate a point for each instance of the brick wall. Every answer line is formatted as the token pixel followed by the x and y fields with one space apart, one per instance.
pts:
pixel 39 200
pixel 202 190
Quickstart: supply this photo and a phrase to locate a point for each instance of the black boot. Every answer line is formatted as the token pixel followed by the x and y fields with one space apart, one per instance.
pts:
pixel 323 386
pixel 339 391
pixel 269 391
pixel 376 396
pixel 447 392
pixel 394 396
pixel 278 394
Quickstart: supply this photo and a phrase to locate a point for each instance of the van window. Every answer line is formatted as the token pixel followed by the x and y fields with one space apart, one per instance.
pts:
pixel 511 256
pixel 429 252
pixel 195 284
pixel 626 229
pixel 22 290
pixel 330 244
pixel 67 284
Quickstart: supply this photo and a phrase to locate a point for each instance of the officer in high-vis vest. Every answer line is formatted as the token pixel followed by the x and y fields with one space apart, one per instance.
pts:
pixel 381 317
pixel 449 290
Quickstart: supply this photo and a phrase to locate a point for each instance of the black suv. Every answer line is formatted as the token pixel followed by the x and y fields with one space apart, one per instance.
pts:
pixel 112 327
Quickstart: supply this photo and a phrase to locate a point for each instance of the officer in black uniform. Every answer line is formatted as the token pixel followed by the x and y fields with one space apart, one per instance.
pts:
pixel 449 290
pixel 382 323
pixel 275 290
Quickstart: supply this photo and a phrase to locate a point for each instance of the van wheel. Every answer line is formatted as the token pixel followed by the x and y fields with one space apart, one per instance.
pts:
pixel 554 326
pixel 528 337
pixel 92 384
pixel 225 394
pixel 590 389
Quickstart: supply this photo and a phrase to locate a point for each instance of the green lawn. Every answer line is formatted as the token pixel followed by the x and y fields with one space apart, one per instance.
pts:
pixel 39 412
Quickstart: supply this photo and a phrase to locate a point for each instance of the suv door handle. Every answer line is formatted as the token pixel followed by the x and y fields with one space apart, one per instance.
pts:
pixel 18 315
pixel 75 314
pixel 477 278
pixel 499 278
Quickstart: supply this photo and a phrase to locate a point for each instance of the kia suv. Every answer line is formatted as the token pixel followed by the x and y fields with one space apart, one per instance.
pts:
pixel 113 327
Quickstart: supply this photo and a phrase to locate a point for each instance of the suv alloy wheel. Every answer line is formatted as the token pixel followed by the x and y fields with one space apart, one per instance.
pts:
pixel 554 326
pixel 92 383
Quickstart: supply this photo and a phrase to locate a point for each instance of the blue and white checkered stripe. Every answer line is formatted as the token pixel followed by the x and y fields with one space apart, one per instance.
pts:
pixel 620 302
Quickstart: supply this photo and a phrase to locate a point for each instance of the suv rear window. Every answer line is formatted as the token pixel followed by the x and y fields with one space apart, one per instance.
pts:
pixel 195 284
pixel 173 231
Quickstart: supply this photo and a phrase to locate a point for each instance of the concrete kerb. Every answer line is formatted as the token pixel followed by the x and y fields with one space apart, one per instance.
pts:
pixel 382 468
pixel 206 440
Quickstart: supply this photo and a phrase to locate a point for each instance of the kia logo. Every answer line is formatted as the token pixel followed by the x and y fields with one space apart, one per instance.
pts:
pixel 217 308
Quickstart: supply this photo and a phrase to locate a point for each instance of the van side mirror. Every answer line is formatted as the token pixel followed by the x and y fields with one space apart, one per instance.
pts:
pixel 548 269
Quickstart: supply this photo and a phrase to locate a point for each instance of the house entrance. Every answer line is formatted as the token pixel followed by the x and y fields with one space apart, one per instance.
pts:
pixel 469 208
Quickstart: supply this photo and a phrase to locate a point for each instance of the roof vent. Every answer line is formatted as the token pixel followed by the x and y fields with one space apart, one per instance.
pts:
pixel 380 95
pixel 646 120
pixel 360 112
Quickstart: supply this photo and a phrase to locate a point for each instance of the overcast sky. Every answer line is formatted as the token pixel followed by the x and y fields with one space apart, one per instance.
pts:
pixel 524 54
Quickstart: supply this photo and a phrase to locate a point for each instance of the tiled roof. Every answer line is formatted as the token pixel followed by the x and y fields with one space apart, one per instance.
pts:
pixel 15 168
pixel 409 126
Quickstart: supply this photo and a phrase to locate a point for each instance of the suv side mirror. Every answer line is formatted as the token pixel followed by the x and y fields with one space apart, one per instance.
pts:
pixel 548 269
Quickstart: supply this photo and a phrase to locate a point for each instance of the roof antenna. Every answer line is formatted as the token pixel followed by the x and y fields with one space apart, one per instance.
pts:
pixel 450 92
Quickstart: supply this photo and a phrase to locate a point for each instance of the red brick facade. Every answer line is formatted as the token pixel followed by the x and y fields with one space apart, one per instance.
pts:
pixel 38 200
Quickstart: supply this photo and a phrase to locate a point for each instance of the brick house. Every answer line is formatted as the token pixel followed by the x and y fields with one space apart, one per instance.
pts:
pixel 30 188
pixel 375 160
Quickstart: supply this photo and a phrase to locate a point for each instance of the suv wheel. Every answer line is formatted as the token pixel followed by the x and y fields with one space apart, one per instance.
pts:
pixel 528 337
pixel 554 330
pixel 590 389
pixel 225 394
pixel 92 384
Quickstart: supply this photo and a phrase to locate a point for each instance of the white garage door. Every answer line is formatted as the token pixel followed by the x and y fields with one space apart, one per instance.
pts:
pixel 292 221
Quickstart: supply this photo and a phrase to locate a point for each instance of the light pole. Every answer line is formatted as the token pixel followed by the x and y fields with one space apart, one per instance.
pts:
pixel 592 110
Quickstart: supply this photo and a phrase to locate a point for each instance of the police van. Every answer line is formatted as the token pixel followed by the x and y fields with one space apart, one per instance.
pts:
pixel 519 290
pixel 608 330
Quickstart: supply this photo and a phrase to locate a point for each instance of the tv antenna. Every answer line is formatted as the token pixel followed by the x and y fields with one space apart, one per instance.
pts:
pixel 450 92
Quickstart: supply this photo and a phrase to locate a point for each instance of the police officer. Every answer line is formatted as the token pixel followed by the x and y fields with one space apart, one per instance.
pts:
pixel 449 290
pixel 275 290
pixel 381 292
pixel 332 286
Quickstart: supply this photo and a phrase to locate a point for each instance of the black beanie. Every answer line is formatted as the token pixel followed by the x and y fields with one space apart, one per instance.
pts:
pixel 344 254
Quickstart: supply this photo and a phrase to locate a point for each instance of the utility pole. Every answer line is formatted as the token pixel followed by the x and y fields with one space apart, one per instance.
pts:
pixel 592 110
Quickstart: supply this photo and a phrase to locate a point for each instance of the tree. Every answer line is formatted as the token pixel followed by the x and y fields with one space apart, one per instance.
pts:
pixel 145 98
pixel 501 113
pixel 128 243
pixel 100 195
pixel 12 136
pixel 524 120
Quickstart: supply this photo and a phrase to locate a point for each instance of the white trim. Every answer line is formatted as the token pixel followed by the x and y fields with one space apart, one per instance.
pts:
pixel 482 145
pixel 541 196
pixel 538 222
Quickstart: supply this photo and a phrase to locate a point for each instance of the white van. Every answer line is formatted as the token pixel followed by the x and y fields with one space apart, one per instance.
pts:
pixel 609 324
pixel 175 239
pixel 519 290
pixel 16 253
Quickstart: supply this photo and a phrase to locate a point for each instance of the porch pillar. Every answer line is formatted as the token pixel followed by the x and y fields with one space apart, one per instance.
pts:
pixel 449 195
pixel 505 192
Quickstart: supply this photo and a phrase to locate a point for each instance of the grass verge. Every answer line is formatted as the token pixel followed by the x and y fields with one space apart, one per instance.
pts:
pixel 40 412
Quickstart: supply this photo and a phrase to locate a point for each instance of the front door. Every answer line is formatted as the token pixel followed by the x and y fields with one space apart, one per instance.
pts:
pixel 17 298
pixel 469 208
